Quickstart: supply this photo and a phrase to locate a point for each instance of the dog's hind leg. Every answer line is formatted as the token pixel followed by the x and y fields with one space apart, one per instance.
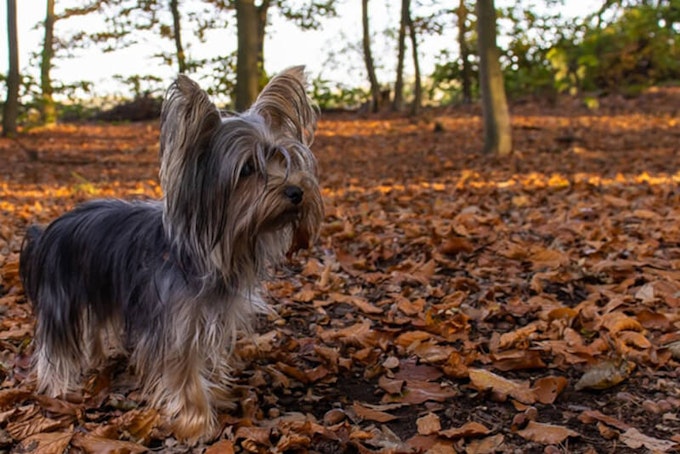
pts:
pixel 59 357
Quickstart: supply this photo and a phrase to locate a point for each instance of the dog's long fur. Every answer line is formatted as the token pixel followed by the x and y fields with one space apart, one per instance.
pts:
pixel 173 281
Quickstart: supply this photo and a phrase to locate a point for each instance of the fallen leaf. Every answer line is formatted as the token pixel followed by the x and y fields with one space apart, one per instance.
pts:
pixel 590 416
pixel 91 443
pixel 546 389
pixel 428 424
pixel 365 412
pixel 221 447
pixel 633 438
pixel 490 444
pixel 390 385
pixel 47 443
pixel 605 374
pixel 548 434
pixel 417 392
pixel 469 429
pixel 485 380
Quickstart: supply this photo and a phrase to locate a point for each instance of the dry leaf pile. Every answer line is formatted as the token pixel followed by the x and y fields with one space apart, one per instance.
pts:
pixel 454 303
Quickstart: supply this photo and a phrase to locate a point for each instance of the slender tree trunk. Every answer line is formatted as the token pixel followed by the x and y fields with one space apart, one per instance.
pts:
pixel 497 132
pixel 418 87
pixel 368 59
pixel 47 107
pixel 262 11
pixel 177 33
pixel 398 102
pixel 247 73
pixel 11 108
pixel 464 53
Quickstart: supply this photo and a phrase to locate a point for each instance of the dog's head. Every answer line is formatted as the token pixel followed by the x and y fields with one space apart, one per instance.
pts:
pixel 240 189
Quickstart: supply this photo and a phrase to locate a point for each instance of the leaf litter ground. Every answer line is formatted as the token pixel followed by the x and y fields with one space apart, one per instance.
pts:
pixel 454 303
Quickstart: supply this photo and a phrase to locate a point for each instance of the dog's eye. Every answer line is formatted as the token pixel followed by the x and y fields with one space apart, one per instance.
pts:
pixel 247 169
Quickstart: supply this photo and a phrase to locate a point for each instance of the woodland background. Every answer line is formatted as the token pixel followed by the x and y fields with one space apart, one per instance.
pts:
pixel 499 266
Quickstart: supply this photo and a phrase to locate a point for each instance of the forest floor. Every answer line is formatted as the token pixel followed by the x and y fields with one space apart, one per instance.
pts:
pixel 454 302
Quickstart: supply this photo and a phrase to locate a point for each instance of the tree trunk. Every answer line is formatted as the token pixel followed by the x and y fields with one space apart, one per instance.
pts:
pixel 262 11
pixel 417 89
pixel 47 107
pixel 177 34
pixel 398 102
pixel 247 71
pixel 368 59
pixel 464 53
pixel 497 133
pixel 11 108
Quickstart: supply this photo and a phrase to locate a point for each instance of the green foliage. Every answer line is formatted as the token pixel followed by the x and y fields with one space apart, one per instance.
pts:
pixel 637 46
pixel 329 96
pixel 445 86
pixel 640 47
pixel 307 15
pixel 626 46
pixel 525 60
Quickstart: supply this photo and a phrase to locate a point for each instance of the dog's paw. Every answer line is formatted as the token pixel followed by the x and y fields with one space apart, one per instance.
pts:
pixel 192 426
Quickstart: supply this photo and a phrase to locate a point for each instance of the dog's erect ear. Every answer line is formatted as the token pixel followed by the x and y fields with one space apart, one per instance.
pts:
pixel 286 106
pixel 188 119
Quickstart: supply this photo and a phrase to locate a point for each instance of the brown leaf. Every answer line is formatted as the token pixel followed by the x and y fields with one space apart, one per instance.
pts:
pixel 546 389
pixel 31 426
pixel 365 412
pixel 221 447
pixel 547 258
pixel 58 406
pixel 485 380
pixel 47 442
pixel 357 334
pixel 633 438
pixel 618 321
pixel 428 424
pixel 417 392
pixel 469 429
pixel 411 371
pixel 360 303
pixel 9 397
pixel 407 338
pixel 548 434
pixel 391 385
pixel 517 360
pixel 91 443
pixel 605 374
pixel 138 423
pixel 589 416
pixel 493 443
pixel 456 245
pixel 253 436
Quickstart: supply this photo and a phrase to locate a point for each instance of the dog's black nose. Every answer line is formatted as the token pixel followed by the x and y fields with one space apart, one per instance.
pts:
pixel 294 193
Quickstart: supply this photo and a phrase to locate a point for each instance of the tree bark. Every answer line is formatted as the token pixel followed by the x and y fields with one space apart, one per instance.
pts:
pixel 398 101
pixel 11 108
pixel 47 107
pixel 497 132
pixel 247 71
pixel 466 75
pixel 418 88
pixel 262 11
pixel 368 59
pixel 177 35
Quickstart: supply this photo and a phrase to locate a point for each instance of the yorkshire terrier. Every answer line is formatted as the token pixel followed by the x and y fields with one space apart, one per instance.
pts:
pixel 174 281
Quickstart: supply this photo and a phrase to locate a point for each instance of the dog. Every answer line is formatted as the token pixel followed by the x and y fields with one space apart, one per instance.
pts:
pixel 174 281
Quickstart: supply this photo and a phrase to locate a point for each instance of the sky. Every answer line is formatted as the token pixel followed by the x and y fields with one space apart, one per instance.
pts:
pixel 286 45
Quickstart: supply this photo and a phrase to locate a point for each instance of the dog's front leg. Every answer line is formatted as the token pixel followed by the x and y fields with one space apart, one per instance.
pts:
pixel 188 397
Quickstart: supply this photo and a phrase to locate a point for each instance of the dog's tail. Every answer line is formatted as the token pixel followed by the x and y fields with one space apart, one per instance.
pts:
pixel 28 247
